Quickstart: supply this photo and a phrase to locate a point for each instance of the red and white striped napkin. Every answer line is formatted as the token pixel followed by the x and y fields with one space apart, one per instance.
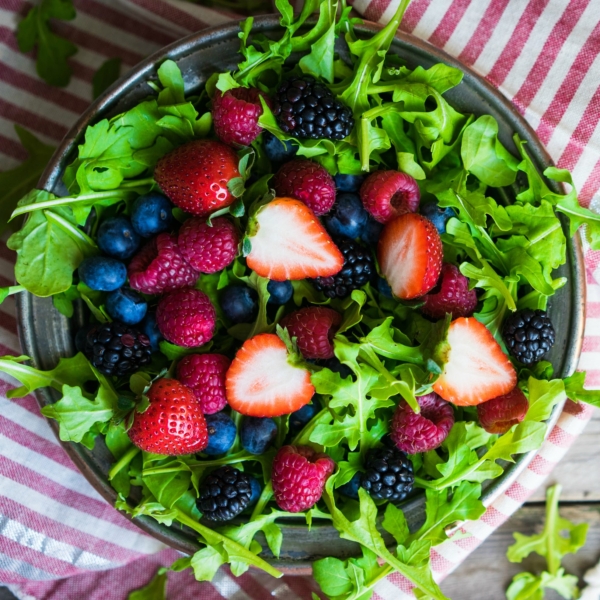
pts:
pixel 58 539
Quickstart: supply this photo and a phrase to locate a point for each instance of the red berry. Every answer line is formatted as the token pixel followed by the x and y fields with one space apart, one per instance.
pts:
pixel 454 296
pixel 205 374
pixel 412 432
pixel 208 248
pixel 186 317
pixel 499 414
pixel 172 424
pixel 314 328
pixel 387 194
pixel 299 476
pixel 235 115
pixel 159 267
pixel 195 176
pixel 305 180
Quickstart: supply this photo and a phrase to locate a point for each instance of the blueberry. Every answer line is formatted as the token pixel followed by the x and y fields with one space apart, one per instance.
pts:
pixel 257 433
pixel 118 238
pixel 372 231
pixel 102 274
pixel 281 291
pixel 221 433
pixel 149 328
pixel 300 417
pixel 348 183
pixel 383 287
pixel 256 490
pixel 151 214
pixel 239 303
pixel 126 306
pixel 350 488
pixel 278 151
pixel 348 216
pixel 437 215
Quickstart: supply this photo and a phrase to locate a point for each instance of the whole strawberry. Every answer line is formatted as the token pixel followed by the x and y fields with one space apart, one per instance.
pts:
pixel 499 414
pixel 387 194
pixel 186 317
pixel 235 115
pixel 305 180
pixel 205 374
pixel 172 424
pixel 195 176
pixel 299 476
pixel 453 296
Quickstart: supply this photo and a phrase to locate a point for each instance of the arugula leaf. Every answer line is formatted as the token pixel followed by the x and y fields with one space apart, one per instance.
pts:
pixel 155 590
pixel 574 387
pixel 108 72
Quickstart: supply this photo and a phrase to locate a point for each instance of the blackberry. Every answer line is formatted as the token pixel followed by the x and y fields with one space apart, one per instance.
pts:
pixel 388 474
pixel 306 108
pixel 224 494
pixel 116 349
pixel 358 270
pixel 528 334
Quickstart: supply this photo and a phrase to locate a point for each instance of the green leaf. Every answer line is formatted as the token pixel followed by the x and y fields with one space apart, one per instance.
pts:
pixel 105 76
pixel 331 575
pixel 167 487
pixel 574 387
pixel 525 586
pixel 543 397
pixel 319 61
pixel 155 590
pixel 394 522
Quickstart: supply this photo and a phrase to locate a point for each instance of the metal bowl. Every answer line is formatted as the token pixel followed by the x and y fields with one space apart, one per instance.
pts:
pixel 46 335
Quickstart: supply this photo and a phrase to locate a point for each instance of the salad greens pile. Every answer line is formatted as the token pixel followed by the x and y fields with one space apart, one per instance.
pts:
pixel 507 239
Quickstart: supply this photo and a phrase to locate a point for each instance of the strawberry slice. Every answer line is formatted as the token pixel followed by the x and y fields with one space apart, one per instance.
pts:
pixel 288 242
pixel 262 383
pixel 410 255
pixel 476 369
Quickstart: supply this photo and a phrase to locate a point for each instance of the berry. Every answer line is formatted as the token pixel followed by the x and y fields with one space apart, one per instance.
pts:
pixel 205 374
pixel 499 414
pixel 453 296
pixel 333 364
pixel 277 150
pixel 476 369
pixel 159 267
pixel 261 382
pixel 280 292
pixel 208 248
pixel 350 488
pixel 195 176
pixel 149 328
pixel 257 434
pixel 152 213
pixel 289 242
pixel 371 232
pixel 239 303
pixel 299 418
pixel 348 183
pixel 412 432
pixel 235 115
pixel 437 215
pixel 299 476
pixel 388 475
pixel 126 306
pixel 224 494
pixel 81 337
pixel 347 218
pixel 117 238
pixel 256 490
pixel 528 335
pixel 383 287
pixel 314 328
pixel 305 180
pixel 410 255
pixel 306 108
pixel 387 194
pixel 173 423
pixel 186 317
pixel 358 270
pixel 102 274
pixel 221 433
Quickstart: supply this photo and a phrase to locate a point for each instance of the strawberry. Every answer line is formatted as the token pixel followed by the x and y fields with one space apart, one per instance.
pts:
pixel 476 369
pixel 261 382
pixel 410 255
pixel 288 242
pixel 195 176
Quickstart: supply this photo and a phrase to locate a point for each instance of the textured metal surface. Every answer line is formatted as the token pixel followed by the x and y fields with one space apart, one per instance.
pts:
pixel 46 335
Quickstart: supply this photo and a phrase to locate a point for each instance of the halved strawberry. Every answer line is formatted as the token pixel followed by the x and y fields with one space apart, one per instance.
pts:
pixel 262 383
pixel 410 255
pixel 476 369
pixel 288 242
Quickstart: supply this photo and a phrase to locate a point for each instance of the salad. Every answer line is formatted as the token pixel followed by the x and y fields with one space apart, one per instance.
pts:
pixel 314 290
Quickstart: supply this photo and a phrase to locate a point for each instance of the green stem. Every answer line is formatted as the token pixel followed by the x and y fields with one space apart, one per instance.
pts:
pixel 14 289
pixel 264 499
pixel 423 483
pixel 400 352
pixel 123 462
pixel 552 496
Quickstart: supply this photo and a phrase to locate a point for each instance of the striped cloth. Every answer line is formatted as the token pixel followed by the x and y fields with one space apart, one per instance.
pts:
pixel 58 539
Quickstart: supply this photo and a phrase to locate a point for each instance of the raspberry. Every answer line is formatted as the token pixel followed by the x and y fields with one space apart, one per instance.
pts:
pixel 159 267
pixel 204 374
pixel 412 432
pixel 186 317
pixel 387 194
pixel 499 414
pixel 299 476
pixel 307 181
pixel 235 115
pixel 452 295
pixel 208 248
pixel 314 328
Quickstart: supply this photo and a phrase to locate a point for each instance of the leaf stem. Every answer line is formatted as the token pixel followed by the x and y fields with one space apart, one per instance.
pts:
pixel 551 526
pixel 123 462
pixel 265 498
